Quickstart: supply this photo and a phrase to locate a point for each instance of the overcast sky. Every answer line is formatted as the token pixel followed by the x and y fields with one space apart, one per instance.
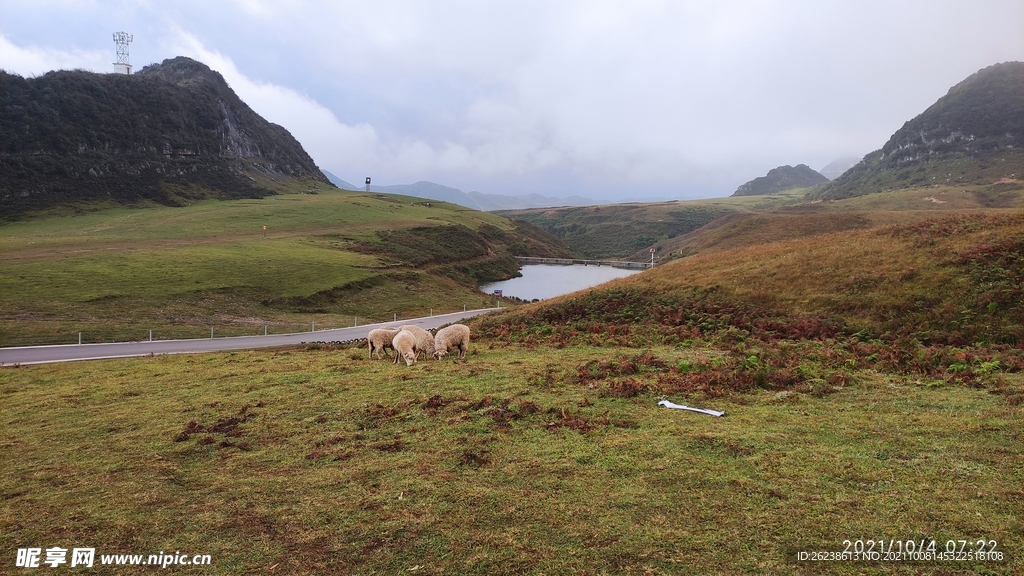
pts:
pixel 608 100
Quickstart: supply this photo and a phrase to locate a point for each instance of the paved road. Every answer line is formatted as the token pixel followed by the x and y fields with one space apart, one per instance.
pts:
pixel 65 353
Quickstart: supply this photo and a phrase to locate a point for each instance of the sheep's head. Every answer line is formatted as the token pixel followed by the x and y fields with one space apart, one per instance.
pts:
pixel 438 354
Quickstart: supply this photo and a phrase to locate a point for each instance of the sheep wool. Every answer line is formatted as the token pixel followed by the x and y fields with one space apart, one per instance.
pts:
pixel 379 340
pixel 424 339
pixel 404 344
pixel 455 336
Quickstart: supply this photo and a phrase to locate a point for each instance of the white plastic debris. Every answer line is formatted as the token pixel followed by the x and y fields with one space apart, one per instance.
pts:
pixel 668 404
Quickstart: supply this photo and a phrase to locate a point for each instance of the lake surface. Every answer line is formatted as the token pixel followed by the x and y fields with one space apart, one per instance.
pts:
pixel 547 280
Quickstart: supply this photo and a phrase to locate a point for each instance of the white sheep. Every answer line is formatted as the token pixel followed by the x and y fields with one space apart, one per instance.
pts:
pixel 404 344
pixel 379 339
pixel 424 339
pixel 454 336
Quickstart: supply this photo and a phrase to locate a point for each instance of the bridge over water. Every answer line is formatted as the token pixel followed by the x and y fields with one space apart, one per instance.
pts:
pixel 572 261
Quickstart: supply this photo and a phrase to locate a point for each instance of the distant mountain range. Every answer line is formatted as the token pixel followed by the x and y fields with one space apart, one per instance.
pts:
pixel 837 167
pixel 972 135
pixel 474 200
pixel 339 182
pixel 781 178
pixel 170 131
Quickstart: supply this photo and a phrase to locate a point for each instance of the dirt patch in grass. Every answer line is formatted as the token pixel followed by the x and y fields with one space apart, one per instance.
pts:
pixel 224 426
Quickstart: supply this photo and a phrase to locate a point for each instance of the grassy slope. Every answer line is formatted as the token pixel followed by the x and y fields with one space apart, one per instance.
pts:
pixel 952 278
pixel 626 231
pixel 679 229
pixel 817 218
pixel 617 230
pixel 872 380
pixel 520 460
pixel 117 272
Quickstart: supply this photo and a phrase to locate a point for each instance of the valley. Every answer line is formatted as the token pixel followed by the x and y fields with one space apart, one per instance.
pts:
pixel 327 257
pixel 862 336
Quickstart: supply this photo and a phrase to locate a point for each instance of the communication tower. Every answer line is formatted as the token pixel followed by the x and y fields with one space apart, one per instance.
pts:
pixel 121 39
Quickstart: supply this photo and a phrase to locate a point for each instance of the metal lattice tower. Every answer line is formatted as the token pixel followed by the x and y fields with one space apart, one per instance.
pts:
pixel 121 39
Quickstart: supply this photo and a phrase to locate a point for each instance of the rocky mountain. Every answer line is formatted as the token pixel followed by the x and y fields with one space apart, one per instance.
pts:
pixel 781 178
pixel 479 200
pixel 170 132
pixel 972 135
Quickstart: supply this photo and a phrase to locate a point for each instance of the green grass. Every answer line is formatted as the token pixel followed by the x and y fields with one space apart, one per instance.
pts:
pixel 118 272
pixel 286 267
pixel 314 460
pixel 872 379
pixel 875 175
pixel 328 211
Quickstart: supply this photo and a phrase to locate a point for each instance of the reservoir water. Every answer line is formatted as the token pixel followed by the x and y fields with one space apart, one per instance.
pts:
pixel 547 281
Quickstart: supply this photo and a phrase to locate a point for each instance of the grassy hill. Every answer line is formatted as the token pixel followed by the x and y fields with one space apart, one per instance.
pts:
pixel 328 256
pixel 816 218
pixel 872 379
pixel 628 231
pixel 620 230
pixel 617 230
pixel 951 278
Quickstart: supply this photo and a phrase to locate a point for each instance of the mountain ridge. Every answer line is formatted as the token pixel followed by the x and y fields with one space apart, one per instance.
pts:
pixel 780 179
pixel 338 181
pixel 972 135
pixel 479 200
pixel 171 132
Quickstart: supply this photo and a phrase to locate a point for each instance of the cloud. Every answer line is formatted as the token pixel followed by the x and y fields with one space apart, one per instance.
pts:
pixel 323 136
pixel 34 61
pixel 497 138
pixel 595 97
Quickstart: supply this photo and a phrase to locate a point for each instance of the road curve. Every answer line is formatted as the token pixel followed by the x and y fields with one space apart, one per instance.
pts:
pixel 69 352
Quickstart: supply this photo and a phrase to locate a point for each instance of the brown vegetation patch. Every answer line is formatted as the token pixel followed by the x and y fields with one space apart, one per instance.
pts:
pixel 396 445
pixel 473 459
pixel 434 404
pixel 191 428
pixel 583 423
pixel 227 426
pixel 374 415
pixel 619 366
pixel 628 388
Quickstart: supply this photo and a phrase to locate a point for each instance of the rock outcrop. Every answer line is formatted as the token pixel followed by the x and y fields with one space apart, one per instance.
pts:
pixel 171 132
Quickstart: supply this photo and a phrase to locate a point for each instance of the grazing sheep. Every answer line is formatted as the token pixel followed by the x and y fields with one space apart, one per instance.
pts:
pixel 379 340
pixel 424 339
pixel 454 336
pixel 404 344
